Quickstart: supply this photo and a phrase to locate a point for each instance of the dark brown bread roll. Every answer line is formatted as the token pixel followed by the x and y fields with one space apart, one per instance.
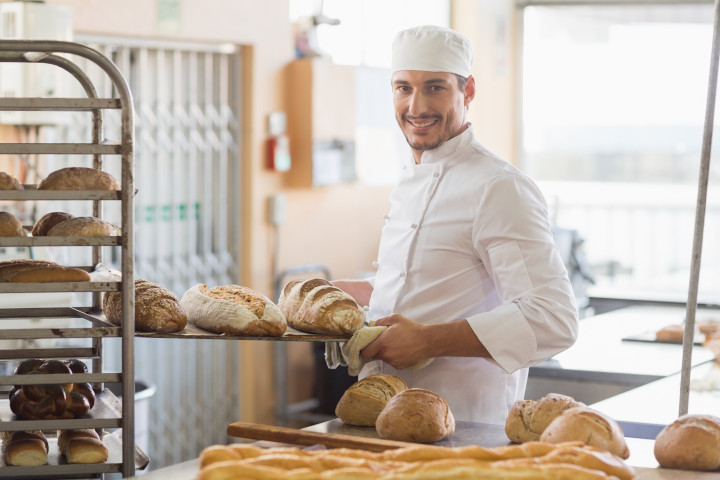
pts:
pixel 47 221
pixel 10 226
pixel 25 448
pixel 79 178
pixel 157 309
pixel 416 415
pixel 315 306
pixel 692 442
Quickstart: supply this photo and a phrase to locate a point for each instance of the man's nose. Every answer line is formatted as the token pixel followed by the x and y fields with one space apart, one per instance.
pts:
pixel 417 105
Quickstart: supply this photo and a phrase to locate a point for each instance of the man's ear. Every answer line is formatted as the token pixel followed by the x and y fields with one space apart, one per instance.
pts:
pixel 469 90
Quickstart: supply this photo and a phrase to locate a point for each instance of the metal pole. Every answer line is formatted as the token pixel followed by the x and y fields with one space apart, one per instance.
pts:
pixel 699 219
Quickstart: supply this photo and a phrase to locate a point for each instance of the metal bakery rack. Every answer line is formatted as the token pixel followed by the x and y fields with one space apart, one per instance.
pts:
pixel 115 418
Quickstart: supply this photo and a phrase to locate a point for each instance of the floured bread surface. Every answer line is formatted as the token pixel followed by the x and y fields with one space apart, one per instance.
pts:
pixel 10 226
pixel 79 178
pixel 8 182
pixel 83 226
pixel 233 310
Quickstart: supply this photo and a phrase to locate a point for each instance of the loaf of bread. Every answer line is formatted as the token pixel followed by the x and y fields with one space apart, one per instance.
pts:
pixel 51 401
pixel 47 221
pixel 670 333
pixel 233 310
pixel 26 449
pixel 10 226
pixel 691 442
pixel 528 418
pixel 157 309
pixel 584 424
pixel 78 178
pixel 82 446
pixel 530 461
pixel 8 182
pixel 316 306
pixel 42 271
pixel 83 226
pixel 415 415
pixel 363 401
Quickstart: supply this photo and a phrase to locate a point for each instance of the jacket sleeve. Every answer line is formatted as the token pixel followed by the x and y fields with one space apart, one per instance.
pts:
pixel 538 315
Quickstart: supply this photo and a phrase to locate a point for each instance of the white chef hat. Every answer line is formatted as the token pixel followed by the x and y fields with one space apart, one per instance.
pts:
pixel 432 49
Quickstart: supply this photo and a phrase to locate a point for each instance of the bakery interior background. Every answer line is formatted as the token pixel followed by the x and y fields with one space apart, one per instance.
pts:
pixel 602 105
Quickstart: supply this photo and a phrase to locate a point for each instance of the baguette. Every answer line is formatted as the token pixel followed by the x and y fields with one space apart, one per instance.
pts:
pixel 315 306
pixel 233 310
pixel 26 449
pixel 78 178
pixel 156 308
pixel 82 446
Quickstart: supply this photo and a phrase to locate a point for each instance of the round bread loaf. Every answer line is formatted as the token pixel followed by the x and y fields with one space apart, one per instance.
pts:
pixel 587 425
pixel 363 401
pixel 10 226
pixel 315 306
pixel 416 415
pixel 83 226
pixel 48 221
pixel 78 178
pixel 528 418
pixel 8 182
pixel 670 333
pixel 692 442
pixel 233 310
pixel 156 308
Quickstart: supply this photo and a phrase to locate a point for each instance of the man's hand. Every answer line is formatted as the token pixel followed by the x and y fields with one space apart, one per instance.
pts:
pixel 406 343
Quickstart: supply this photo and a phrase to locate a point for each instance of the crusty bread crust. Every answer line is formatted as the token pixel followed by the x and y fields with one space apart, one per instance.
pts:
pixel 157 309
pixel 79 178
pixel 691 442
pixel 363 401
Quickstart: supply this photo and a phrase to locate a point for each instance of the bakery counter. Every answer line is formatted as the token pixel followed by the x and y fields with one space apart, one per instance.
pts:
pixel 614 353
pixel 466 433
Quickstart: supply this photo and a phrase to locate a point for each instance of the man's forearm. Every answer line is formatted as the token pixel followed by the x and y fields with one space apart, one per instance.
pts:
pixel 453 339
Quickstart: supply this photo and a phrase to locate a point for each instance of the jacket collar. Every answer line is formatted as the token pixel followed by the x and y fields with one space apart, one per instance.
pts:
pixel 447 149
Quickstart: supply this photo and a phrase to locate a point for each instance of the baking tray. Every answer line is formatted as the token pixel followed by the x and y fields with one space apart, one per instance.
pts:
pixel 649 337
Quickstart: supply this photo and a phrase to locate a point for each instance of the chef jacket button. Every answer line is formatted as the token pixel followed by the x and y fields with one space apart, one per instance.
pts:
pixel 402 274
pixel 436 174
pixel 375 264
pixel 386 217
pixel 413 226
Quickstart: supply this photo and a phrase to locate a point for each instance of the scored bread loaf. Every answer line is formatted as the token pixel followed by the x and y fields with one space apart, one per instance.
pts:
pixel 691 442
pixel 25 448
pixel 42 271
pixel 585 424
pixel 9 182
pixel 528 418
pixel 78 178
pixel 415 415
pixel 363 401
pixel 316 306
pixel 233 310
pixel 83 226
pixel 10 226
pixel 157 309
pixel 47 221
pixel 82 446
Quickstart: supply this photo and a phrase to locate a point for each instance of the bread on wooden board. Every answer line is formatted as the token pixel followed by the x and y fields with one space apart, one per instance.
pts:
pixel 363 401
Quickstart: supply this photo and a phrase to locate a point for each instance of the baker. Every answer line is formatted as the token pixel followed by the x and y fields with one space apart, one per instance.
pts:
pixel 468 273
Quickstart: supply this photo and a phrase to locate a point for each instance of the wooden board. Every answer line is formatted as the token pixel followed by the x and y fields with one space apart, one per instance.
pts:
pixel 304 437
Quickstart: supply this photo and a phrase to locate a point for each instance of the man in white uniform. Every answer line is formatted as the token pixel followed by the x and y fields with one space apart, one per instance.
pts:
pixel 468 273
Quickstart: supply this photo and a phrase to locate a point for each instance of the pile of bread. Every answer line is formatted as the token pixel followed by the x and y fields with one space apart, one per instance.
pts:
pixel 61 223
pixel 31 448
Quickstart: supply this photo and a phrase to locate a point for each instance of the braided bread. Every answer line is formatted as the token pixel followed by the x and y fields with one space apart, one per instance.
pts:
pixel 51 401
pixel 25 448
pixel 316 306
pixel 530 461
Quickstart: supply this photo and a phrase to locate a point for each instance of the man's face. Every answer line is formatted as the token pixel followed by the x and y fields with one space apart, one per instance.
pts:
pixel 429 107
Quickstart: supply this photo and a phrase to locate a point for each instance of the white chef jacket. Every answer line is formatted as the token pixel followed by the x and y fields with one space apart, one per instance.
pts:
pixel 467 236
